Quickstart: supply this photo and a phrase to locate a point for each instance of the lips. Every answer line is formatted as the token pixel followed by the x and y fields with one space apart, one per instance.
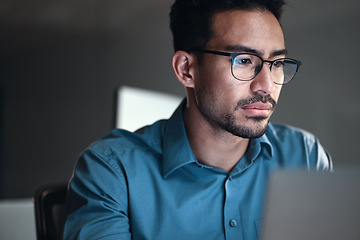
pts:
pixel 258 109
pixel 259 105
pixel 256 106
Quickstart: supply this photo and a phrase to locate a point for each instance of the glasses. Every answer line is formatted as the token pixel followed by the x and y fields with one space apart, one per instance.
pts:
pixel 246 66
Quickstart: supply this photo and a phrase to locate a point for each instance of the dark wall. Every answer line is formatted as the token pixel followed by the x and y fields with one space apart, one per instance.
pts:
pixel 61 62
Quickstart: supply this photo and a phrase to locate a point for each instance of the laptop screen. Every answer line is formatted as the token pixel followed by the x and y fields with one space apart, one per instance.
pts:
pixel 313 205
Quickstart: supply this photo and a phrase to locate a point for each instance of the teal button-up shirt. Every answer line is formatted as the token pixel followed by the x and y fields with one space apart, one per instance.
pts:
pixel 149 185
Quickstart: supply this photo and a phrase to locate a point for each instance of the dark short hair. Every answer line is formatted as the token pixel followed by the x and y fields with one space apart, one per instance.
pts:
pixel 190 20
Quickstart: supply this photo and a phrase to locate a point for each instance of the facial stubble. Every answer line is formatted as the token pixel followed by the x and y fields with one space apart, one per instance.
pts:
pixel 228 121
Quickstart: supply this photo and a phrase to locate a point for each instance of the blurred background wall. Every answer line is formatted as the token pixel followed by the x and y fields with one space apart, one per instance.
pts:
pixel 61 62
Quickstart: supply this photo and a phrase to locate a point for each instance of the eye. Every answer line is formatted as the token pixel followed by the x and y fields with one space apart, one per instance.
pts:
pixel 243 61
pixel 278 64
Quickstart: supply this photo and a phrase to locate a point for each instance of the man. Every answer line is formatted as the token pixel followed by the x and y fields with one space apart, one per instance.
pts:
pixel 201 174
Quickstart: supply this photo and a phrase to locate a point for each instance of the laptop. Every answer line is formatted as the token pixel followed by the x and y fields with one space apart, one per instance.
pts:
pixel 303 205
pixel 17 219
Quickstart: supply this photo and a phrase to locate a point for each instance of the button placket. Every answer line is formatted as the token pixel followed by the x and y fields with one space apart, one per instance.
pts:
pixel 232 218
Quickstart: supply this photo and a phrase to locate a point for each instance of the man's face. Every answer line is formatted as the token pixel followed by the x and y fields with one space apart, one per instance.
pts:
pixel 242 108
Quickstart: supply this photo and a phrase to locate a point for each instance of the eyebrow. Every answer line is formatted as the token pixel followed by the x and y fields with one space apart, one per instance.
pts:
pixel 242 48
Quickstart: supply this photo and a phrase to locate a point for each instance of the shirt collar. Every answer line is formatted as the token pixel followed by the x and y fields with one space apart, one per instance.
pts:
pixel 262 142
pixel 177 151
pixel 265 140
pixel 176 148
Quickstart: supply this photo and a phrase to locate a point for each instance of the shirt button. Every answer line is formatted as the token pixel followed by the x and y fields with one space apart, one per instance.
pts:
pixel 233 223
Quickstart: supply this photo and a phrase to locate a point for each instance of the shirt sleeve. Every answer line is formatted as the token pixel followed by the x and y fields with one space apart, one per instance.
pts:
pixel 318 156
pixel 97 200
pixel 324 162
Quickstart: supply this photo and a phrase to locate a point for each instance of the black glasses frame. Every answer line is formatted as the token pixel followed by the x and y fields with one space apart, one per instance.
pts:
pixel 234 55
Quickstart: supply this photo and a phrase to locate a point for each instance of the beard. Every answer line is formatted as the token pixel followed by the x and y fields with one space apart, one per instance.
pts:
pixel 253 127
pixel 241 130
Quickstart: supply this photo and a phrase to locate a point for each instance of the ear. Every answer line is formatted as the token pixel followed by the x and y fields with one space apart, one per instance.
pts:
pixel 184 65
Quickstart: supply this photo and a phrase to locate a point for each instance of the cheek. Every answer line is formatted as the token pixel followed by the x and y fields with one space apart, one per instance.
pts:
pixel 215 83
pixel 276 93
pixel 207 80
pixel 216 68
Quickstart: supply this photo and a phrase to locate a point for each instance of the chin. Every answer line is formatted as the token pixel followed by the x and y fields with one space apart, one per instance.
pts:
pixel 253 130
pixel 249 133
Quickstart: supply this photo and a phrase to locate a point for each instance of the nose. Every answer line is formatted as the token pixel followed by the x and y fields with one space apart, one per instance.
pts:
pixel 263 83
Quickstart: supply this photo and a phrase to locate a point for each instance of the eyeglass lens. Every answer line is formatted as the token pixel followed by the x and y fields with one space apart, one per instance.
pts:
pixel 246 66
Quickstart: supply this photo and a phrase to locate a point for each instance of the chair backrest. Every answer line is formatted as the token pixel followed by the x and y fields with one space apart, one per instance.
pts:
pixel 50 211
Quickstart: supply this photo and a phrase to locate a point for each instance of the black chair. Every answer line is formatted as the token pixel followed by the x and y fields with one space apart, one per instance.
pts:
pixel 50 211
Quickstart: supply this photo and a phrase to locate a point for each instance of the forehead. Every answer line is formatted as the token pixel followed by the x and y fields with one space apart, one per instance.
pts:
pixel 256 29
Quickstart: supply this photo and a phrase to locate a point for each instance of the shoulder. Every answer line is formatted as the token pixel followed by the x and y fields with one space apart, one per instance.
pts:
pixel 283 132
pixel 298 146
pixel 120 143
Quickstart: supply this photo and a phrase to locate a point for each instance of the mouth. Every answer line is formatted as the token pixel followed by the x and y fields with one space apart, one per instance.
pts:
pixel 257 106
pixel 258 109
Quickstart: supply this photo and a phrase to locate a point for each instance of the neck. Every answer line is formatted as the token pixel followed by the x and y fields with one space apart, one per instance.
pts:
pixel 212 145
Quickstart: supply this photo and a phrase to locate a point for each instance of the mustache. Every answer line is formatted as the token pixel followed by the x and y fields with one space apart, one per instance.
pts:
pixel 254 99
